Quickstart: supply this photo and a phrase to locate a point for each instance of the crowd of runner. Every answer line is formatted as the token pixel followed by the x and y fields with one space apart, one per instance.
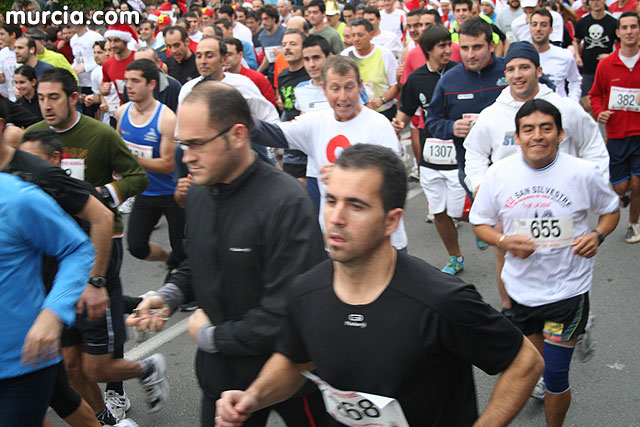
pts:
pixel 278 141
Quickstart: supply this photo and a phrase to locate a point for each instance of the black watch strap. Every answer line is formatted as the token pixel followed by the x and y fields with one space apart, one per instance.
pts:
pixel 601 236
pixel 98 281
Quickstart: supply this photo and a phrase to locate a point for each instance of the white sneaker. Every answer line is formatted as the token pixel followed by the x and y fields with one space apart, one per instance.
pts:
pixel 538 391
pixel 127 423
pixel 126 206
pixel 118 404
pixel 155 384
pixel 633 233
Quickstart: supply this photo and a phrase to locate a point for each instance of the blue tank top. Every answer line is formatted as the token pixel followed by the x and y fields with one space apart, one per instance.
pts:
pixel 144 141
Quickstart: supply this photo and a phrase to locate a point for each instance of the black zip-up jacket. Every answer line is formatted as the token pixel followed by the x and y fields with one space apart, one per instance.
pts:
pixel 245 242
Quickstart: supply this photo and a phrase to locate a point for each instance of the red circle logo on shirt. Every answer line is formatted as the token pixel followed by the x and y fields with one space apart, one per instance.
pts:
pixel 336 146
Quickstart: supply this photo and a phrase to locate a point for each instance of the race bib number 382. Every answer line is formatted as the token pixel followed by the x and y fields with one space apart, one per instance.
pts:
pixel 356 409
pixel 624 98
pixel 547 232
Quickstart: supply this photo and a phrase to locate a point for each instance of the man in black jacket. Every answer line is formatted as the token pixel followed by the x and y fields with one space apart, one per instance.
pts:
pixel 250 229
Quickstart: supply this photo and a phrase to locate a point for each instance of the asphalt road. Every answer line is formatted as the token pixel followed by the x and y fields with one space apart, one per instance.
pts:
pixel 605 389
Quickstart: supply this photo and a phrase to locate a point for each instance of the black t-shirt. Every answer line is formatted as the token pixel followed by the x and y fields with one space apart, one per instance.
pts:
pixel 598 36
pixel 417 92
pixel 416 342
pixel 287 82
pixel 32 105
pixel 184 71
pixel 70 193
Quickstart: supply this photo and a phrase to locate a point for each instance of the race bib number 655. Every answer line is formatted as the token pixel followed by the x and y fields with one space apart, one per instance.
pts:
pixel 547 232
pixel 356 409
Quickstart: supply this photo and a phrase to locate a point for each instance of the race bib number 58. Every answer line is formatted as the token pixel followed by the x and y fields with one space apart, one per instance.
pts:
pixel 624 98
pixel 357 409
pixel 547 232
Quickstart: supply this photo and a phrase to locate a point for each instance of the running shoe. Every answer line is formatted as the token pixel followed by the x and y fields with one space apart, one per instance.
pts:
pixel 126 206
pixel 538 391
pixel 127 423
pixel 106 418
pixel 633 233
pixel 155 383
pixel 481 244
pixel 429 219
pixel 454 266
pixel 118 404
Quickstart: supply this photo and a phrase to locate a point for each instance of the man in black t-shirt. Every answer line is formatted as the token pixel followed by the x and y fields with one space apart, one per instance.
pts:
pixel 437 158
pixel 294 161
pixel 181 65
pixel 373 320
pixel 594 40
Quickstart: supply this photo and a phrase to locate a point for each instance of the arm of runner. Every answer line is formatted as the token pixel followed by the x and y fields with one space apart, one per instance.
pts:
pixel 519 246
pixel 478 145
pixel 575 81
pixel 165 163
pixel 437 122
pixel 182 188
pixel 513 387
pixel 587 244
pixel 597 96
pixel 96 300
pixel 400 121
pixel 577 50
pixel 278 380
pixel 591 146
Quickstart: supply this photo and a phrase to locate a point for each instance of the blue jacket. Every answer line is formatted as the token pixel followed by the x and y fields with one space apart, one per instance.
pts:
pixel 32 225
pixel 459 92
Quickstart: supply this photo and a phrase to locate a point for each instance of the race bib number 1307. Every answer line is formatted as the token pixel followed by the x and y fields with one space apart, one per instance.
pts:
pixel 356 409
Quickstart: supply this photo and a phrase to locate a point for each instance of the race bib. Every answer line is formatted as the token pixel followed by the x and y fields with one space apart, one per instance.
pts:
pixel 368 88
pixel 547 233
pixel 357 409
pixel 271 53
pixel 144 151
pixel 73 167
pixel 319 105
pixel 472 116
pixel 624 99
pixel 439 152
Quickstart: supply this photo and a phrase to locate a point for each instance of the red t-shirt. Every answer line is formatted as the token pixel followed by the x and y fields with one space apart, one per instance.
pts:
pixel 113 71
pixel 65 50
pixel 263 84
pixel 631 5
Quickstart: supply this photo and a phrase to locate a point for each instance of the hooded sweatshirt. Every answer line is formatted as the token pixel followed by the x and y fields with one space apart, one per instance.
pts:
pixel 492 136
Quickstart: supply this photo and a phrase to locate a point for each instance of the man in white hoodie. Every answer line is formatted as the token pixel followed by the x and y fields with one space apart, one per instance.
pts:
pixel 492 136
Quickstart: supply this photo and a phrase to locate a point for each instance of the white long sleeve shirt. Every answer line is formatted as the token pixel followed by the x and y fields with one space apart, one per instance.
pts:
pixel 560 66
pixel 82 48
pixel 492 136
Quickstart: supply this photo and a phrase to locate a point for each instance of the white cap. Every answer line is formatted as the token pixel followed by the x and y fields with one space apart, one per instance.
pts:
pixel 529 3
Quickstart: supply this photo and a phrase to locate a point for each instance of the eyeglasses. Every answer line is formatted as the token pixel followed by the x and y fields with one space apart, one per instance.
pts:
pixel 197 146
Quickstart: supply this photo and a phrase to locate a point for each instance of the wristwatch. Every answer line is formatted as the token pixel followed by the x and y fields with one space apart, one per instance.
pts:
pixel 383 99
pixel 98 281
pixel 601 236
pixel 105 195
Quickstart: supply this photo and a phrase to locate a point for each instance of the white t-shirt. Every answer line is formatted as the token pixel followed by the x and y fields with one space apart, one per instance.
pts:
pixel 390 41
pixel 196 37
pixel 82 48
pixel 113 101
pixel 520 28
pixel 567 188
pixel 629 62
pixel 560 65
pixel 8 65
pixel 322 138
pixel 258 104
pixel 243 33
pixel 393 21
